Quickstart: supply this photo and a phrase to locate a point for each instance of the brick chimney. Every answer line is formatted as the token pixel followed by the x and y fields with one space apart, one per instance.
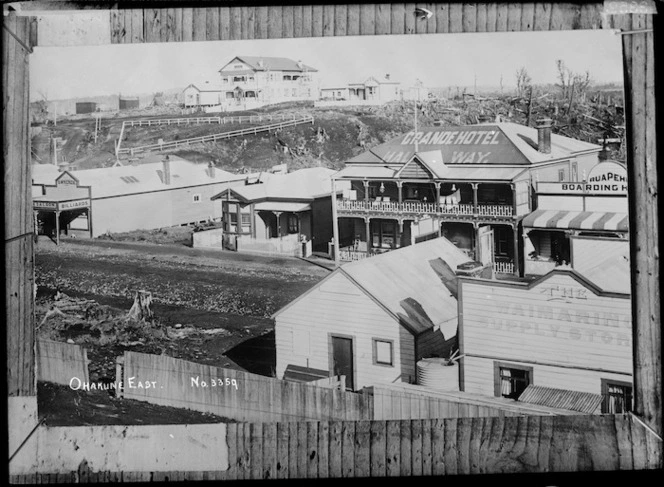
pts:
pixel 387 76
pixel 167 169
pixel 544 135
pixel 211 168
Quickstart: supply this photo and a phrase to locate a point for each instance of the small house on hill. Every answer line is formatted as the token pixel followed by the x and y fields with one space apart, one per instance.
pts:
pixel 373 320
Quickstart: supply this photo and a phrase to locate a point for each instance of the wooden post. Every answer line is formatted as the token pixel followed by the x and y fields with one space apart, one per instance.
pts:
pixel 475 209
pixel 57 228
pixel 19 243
pixel 400 190
pixel 335 223
pixel 367 230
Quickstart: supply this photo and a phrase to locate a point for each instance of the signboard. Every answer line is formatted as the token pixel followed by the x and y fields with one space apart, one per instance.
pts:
pixel 44 205
pixel 485 144
pixel 69 205
pixel 606 178
pixel 66 179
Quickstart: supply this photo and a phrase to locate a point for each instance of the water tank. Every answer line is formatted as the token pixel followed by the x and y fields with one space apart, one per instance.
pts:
pixel 438 373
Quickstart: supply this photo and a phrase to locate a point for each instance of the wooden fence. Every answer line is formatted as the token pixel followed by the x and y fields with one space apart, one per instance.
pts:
pixel 221 136
pixel 407 401
pixel 234 394
pixel 459 446
pixel 60 362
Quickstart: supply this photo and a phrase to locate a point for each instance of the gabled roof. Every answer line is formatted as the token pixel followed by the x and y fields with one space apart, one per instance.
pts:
pixel 409 285
pixel 142 178
pixel 204 86
pixel 431 161
pixel 478 145
pixel 263 63
pixel 301 185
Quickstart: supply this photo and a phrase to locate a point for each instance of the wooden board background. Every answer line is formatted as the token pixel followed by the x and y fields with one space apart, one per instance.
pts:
pixel 277 21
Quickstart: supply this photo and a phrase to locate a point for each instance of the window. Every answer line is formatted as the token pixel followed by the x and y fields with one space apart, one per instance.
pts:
pixel 233 218
pixel 575 171
pixel 246 219
pixel 197 198
pixel 617 397
pixel 511 380
pixel 382 352
pixel 237 66
pixel 561 174
pixel 293 226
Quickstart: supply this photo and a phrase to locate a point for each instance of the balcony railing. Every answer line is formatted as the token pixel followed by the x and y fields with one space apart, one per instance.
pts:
pixel 425 208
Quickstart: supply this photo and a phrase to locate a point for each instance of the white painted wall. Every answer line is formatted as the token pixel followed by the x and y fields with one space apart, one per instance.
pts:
pixel 338 306
pixel 558 322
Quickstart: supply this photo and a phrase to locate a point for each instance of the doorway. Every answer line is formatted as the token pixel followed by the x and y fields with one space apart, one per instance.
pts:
pixel 342 359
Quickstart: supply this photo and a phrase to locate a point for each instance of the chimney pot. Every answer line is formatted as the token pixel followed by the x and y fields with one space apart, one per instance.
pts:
pixel 544 135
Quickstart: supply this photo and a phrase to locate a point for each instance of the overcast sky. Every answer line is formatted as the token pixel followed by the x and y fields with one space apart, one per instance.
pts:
pixel 438 60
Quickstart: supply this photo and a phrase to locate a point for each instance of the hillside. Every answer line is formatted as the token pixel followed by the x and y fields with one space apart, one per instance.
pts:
pixel 336 135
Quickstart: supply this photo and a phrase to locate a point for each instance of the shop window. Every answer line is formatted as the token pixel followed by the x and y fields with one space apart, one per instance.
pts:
pixel 383 352
pixel 384 235
pixel 293 226
pixel 561 174
pixel 197 198
pixel 511 380
pixel 617 397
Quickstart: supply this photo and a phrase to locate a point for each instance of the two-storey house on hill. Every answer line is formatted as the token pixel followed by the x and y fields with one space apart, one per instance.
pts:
pixel 252 81
pixel 471 184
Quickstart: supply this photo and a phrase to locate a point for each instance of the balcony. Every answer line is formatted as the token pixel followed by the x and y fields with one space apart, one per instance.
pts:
pixel 346 206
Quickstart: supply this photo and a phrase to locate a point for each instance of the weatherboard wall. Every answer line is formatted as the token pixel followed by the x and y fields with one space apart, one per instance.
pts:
pixel 337 307
pixel 570 336
pixel 155 209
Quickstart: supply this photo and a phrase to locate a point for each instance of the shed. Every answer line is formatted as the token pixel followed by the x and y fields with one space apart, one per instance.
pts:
pixel 86 107
pixel 372 320
pixel 127 103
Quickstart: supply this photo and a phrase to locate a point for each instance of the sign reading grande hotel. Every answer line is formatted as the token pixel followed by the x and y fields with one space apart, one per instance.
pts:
pixel 606 178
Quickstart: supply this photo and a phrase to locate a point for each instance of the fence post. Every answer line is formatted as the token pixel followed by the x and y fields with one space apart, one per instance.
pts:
pixel 119 372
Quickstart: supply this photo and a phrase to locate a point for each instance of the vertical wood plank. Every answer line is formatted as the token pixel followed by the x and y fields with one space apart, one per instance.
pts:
pixel 212 26
pixel 298 12
pixel 383 19
pixel 438 446
pixel 302 453
pixel 282 450
pixel 464 426
pixel 590 16
pixel 527 16
pixel 223 18
pixel 312 449
pixel 117 26
pixel 363 442
pixel 239 456
pixel 348 448
pixel 421 24
pixel 456 17
pixel 442 14
pixel 426 447
pixel 231 441
pixel 368 19
pixel 378 448
pixel 293 440
pixel 481 17
pixel 491 17
pixel 270 446
pixel 335 449
pixel 248 22
pixel 234 23
pixel 328 20
pixel 397 18
pixel 261 24
pixel 317 21
pixel 187 24
pixel 450 453
pixel 323 449
pixel 275 26
pixel 256 449
pixel 287 21
pixel 409 18
pixel 353 20
pixel 405 463
pixel 340 20
pixel 307 17
pixel 513 17
pixel 501 17
pixel 199 18
pixel 393 446
pixel 476 432
pixel 152 25
pixel 416 449
pixel 470 17
pixel 542 16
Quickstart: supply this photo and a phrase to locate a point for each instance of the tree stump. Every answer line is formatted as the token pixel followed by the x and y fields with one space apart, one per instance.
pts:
pixel 140 310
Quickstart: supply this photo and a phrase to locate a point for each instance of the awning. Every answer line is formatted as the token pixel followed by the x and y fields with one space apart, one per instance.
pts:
pixel 304 374
pixel 282 206
pixel 578 220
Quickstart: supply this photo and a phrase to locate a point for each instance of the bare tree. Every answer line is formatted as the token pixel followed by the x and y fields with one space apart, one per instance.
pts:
pixel 523 81
pixel 568 79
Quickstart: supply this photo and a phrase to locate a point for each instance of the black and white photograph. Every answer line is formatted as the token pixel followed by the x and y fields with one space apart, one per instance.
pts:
pixel 330 241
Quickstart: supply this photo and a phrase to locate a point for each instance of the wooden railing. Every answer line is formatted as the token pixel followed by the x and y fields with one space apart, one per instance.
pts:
pixel 209 120
pixel 503 267
pixel 221 136
pixel 425 208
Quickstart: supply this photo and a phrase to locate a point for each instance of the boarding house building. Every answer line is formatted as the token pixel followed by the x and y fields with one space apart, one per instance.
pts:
pixel 253 81
pixel 471 184
pixel 162 191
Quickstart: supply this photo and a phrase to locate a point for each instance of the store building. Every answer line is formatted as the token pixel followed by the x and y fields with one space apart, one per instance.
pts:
pixel 374 319
pixel 571 217
pixel 370 91
pixel 279 211
pixel 561 335
pixel 204 94
pixel 88 203
pixel 471 184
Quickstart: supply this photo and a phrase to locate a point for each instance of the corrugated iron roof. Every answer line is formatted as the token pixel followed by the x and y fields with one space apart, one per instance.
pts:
pixel 304 374
pixel 408 282
pixel 583 402
pixel 272 64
